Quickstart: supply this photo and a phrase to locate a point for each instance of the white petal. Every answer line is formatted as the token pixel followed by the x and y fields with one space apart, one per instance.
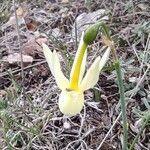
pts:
pixel 48 55
pixel 83 65
pixel 54 65
pixel 91 76
pixel 104 59
pixel 61 80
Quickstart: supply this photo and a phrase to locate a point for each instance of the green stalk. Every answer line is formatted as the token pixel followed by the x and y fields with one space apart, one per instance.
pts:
pixel 117 65
pixel 123 104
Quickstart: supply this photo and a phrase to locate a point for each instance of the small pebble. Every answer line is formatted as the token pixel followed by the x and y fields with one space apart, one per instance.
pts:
pixel 67 125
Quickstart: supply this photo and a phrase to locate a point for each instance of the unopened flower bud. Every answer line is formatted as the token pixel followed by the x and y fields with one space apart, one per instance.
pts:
pixel 91 33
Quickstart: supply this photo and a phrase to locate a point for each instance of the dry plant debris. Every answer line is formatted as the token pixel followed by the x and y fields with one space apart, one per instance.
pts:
pixel 32 120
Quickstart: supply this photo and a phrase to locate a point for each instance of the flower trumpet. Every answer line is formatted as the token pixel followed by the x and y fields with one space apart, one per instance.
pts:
pixel 71 99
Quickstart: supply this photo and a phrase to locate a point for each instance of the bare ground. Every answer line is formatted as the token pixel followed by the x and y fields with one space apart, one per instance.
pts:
pixel 29 115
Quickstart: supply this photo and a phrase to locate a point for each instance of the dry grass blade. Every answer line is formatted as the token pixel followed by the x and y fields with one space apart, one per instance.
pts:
pixel 40 124
pixel 19 40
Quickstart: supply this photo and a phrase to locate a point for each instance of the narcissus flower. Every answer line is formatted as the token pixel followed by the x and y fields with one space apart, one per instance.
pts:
pixel 71 99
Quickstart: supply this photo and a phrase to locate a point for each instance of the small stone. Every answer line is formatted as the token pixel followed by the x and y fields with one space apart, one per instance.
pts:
pixel 67 125
pixel 65 1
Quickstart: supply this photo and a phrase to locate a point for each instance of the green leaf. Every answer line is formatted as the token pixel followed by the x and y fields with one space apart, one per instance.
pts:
pixel 3 104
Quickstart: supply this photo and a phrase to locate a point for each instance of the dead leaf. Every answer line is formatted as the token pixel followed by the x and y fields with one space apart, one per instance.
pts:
pixel 21 12
pixel 32 47
pixel 2 93
pixel 12 21
pixel 84 19
pixel 41 16
pixel 16 58
pixel 65 1
pixel 31 23
pixel 143 6
pixel 41 40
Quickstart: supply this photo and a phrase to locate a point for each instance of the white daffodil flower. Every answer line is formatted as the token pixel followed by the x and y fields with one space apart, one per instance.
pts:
pixel 71 99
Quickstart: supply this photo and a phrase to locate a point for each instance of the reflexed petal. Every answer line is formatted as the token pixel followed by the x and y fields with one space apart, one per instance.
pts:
pixel 83 65
pixel 61 80
pixel 54 65
pixel 91 76
pixel 104 59
pixel 49 57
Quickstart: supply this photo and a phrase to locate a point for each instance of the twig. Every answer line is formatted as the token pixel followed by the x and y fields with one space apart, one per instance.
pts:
pixel 19 40
pixel 25 68
pixel 109 131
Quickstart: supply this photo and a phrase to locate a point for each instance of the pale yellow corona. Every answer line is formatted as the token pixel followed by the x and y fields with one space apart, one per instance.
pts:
pixel 71 102
pixel 71 99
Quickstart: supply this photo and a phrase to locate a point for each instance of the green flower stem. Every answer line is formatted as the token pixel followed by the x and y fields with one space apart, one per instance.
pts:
pixel 138 135
pixel 117 65
pixel 123 104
